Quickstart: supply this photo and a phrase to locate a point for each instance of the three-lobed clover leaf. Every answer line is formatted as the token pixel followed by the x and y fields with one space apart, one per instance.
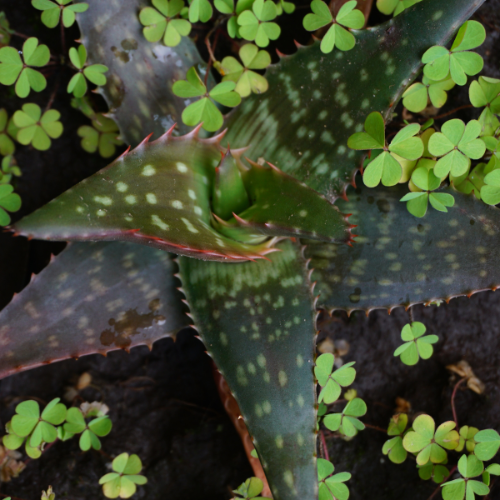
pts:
pixel 467 434
pixel 347 422
pixel 458 489
pixel 457 144
pixel 385 167
pixel 122 482
pixel 90 433
pixel 7 146
pixel 437 472
pixel 338 35
pixel 250 489
pixel 92 73
pixel 430 445
pixel 53 11
pixel 415 346
pixel 162 22
pixel 12 441
pixel 14 70
pixel 200 10
pixel 228 7
pixel 394 448
pixel 9 202
pixel 457 62
pixel 485 92
pixel 331 487
pixel 332 381
pixel 102 136
pixel 204 110
pixel 487 444
pixel 255 25
pixel 247 81
pixel 39 428
pixel 394 7
pixel 35 128
pixel 491 469
pixel 416 96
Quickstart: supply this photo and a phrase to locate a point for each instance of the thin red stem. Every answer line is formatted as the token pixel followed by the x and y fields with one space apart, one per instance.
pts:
pixel 465 106
pixel 375 428
pixel 20 35
pixel 445 479
pixel 454 393
pixel 323 444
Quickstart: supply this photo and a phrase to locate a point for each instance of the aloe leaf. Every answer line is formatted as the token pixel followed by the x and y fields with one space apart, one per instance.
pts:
pixel 400 260
pixel 302 123
pixel 92 298
pixel 141 74
pixel 256 320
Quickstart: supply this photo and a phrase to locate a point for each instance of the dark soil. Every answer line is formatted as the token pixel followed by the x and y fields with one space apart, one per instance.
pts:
pixel 164 404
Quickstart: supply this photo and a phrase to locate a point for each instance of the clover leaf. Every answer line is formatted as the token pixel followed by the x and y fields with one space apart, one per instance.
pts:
pixel 427 444
pixel 9 201
pixel 36 129
pixel 458 489
pixel 8 168
pixel 385 167
pixel 332 381
pixel 287 7
pixel 5 30
pixel 102 136
pixel 437 472
pixel 163 23
pixel 457 144
pixel 93 73
pixel 394 448
pixel 7 146
pixel 204 110
pixel 76 424
pixel 467 434
pixel 14 70
pixel 415 346
pixel 347 422
pixel 331 487
pixel 53 11
pixel 487 444
pixel 247 81
pixel 471 182
pixel 491 469
pixel 200 10
pixel 255 25
pixel 493 145
pixel 337 35
pixel 250 489
pixel 416 96
pixel 458 62
pixel 12 441
pixel 394 7
pixel 486 93
pixel 228 7
pixel 122 482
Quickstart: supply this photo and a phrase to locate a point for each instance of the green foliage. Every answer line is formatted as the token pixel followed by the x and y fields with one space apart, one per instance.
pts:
pixel 122 482
pixel 415 97
pixel 394 7
pixel 163 22
pixel 13 69
pixel 250 489
pixel 332 381
pixel 487 444
pixel 415 346
pixel 256 24
pixel 9 202
pixel 102 136
pixel 229 7
pixel 385 167
pixel 485 92
pixel 246 81
pixel 76 424
pixel 467 438
pixel 8 168
pixel 394 448
pixel 284 6
pixel 331 487
pixel 437 472
pixel 457 62
pixel 37 129
pixel 53 11
pixel 491 469
pixel 93 73
pixel 204 110
pixel 5 30
pixel 200 10
pixel 338 35
pixel 458 489
pixel 7 146
pixel 430 445
pixel 490 192
pixel 347 422
pixel 49 494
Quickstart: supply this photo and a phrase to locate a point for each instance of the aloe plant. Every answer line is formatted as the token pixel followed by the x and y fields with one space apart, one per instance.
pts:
pixel 197 197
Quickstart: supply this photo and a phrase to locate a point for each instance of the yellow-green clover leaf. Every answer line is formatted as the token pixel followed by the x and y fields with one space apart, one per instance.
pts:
pixel 332 381
pixel 204 110
pixel 467 438
pixel 7 146
pixel 487 444
pixel 247 81
pixel 162 22
pixel 102 136
pixel 430 445
pixel 122 482
pixel 437 472
pixel 8 168
pixel 287 7
pixel 458 489
pixel 199 10
pixel 486 93
pixel 385 167
pixel 491 469
pixel 9 202
pixel 36 129
pixel 331 487
pixel 394 7
pixel 250 489
pixel 416 96
pixel 93 73
pixel 53 11
pixel 394 448
pixel 458 62
pixel 255 25
pixel 415 346
pixel 14 70
pixel 338 35
pixel 347 422
pixel 228 7
pixel 457 144
pixel 76 424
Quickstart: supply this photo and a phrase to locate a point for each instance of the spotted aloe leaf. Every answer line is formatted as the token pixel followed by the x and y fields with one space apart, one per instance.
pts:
pixel 302 123
pixel 143 104
pixel 257 322
pixel 92 298
pixel 402 260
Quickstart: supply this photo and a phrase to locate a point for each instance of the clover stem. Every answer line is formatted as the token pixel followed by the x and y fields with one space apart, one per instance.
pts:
pixel 54 92
pixel 465 106
pixel 453 400
pixel 49 445
pixel 20 35
pixel 63 39
pixel 324 446
pixel 410 313
pixel 375 428
pixel 435 492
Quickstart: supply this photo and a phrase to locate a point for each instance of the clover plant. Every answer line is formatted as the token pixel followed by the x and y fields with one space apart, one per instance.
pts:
pixel 466 487
pixel 347 422
pixel 124 478
pixel 229 7
pixel 9 202
pixel 485 93
pixel 331 486
pixel 250 489
pixel 437 472
pixel 487 444
pixel 416 97
pixel 7 146
pixel 93 73
pixel 90 432
pixel 256 24
pixel 467 442
pixel 416 346
pixel 5 31
pixel 8 168
pixel 394 448
pixel 102 136
pixel 394 7
pixel 53 11
pixel 199 10
pixel 332 381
